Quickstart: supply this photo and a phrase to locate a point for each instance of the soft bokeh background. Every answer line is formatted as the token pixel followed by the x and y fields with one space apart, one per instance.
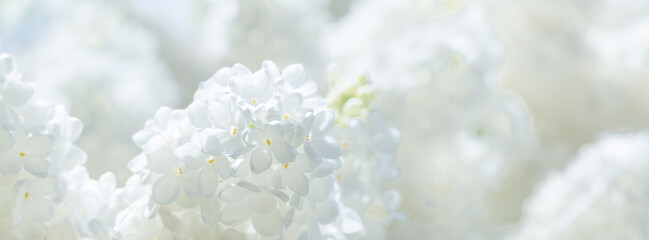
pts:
pixel 520 119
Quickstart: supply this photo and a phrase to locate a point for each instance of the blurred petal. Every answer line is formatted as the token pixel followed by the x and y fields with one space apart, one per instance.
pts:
pixel 351 222
pixel 10 163
pixel 72 156
pixel 294 74
pixel 17 93
pixel 39 146
pixel 165 189
pixel 188 182
pixel 231 234
pixel 268 224
pixel 233 193
pixel 235 213
pixel 36 165
pixel 262 202
pixel 40 209
pixel 36 112
pixel 6 139
pixel 162 161
pixel 210 208
pixel 8 116
pixel 320 188
pixel 207 182
pixel 327 212
pixel 322 122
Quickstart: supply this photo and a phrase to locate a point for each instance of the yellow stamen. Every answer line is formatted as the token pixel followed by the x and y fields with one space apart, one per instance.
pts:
pixel 234 131
pixel 254 101
pixel 286 165
pixel 268 142
pixel 22 154
pixel 286 116
pixel 344 144
pixel 180 171
pixel 26 195
pixel 211 160
pixel 308 138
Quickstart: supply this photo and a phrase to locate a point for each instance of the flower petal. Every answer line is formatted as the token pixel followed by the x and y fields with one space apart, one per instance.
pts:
pixel 212 145
pixel 235 213
pixel 262 202
pixel 17 93
pixel 274 130
pixel 39 146
pixel 70 157
pixel 191 156
pixel 283 152
pixel 294 74
pixel 36 112
pixel 255 136
pixel 320 188
pixel 351 221
pixel 327 212
pixel 269 223
pixel 165 189
pixel 10 163
pixel 40 209
pixel 327 146
pixel 6 140
pixel 7 65
pixel 210 208
pixel 162 161
pixel 260 160
pixel 188 182
pixel 220 114
pixel 36 165
pixel 222 77
pixel 322 122
pixel 222 166
pixel 233 193
pixel 231 234
pixel 8 116
pixel 207 182
pixel 312 154
pixel 197 114
pixel 297 182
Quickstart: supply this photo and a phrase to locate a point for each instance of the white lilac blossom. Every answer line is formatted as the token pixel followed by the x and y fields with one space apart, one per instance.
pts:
pixel 257 154
pixel 465 137
pixel 605 187
pixel 94 64
pixel 368 155
pixel 46 191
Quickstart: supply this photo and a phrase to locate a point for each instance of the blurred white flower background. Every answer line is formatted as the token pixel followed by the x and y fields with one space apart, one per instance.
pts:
pixel 324 119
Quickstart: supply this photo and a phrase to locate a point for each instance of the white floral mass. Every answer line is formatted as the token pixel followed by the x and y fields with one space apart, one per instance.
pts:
pixel 255 154
pixel 499 119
